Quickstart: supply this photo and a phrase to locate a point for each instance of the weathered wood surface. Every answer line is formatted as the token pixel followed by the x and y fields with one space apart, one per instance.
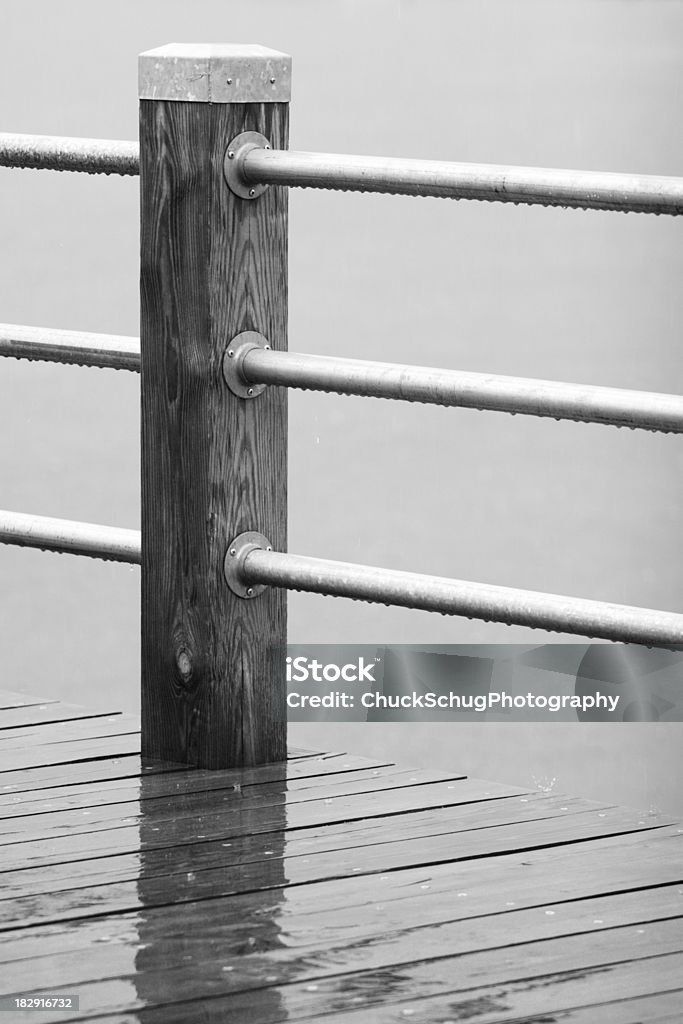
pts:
pixel 335 888
pixel 213 465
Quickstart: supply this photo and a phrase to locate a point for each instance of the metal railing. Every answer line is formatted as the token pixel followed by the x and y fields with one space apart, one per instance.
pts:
pixel 536 186
pixel 256 366
pixel 179 584
pixel 585 403
pixel 74 348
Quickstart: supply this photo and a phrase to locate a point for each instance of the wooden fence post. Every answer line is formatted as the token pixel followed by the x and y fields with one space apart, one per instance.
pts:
pixel 213 465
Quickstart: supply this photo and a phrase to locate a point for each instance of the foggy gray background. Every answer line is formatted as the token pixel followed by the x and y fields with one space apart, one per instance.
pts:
pixel 586 297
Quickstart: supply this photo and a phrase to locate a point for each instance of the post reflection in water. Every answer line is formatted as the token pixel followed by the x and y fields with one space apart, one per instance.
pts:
pixel 210 889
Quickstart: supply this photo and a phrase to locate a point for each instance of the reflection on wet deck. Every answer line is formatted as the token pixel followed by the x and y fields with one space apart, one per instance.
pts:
pixel 330 886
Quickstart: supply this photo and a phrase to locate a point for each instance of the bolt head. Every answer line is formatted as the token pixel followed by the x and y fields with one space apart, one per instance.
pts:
pixel 269 548
pixel 267 348
pixel 230 353
pixel 272 81
pixel 233 551
pixel 229 81
pixel 231 154
pixel 252 192
pixel 250 591
pixel 267 145
pixel 250 391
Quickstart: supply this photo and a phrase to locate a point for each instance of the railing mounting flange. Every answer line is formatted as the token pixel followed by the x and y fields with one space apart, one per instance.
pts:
pixel 233 565
pixel 233 361
pixel 238 149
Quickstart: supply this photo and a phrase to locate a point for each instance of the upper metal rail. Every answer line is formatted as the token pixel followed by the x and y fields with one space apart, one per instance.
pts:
pixel 60 153
pixel 62 535
pixel 586 403
pixel 589 190
pixel 75 348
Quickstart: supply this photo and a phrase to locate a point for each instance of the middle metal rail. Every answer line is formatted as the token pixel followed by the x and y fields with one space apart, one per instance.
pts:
pixel 582 402
pixel 252 365
pixel 260 566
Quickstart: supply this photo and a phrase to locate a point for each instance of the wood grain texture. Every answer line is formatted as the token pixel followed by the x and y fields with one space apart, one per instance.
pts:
pixel 213 465
pixel 328 887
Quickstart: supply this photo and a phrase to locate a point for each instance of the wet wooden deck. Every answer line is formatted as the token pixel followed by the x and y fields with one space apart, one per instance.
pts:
pixel 333 887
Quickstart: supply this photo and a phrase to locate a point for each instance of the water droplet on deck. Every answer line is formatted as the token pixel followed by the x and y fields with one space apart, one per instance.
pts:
pixel 598 920
pixel 462 894
pixel 549 913
pixel 311 988
pixel 510 903
pixel 425 886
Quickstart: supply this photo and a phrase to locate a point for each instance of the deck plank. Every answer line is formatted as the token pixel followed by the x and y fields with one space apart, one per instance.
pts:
pixel 481 985
pixel 327 887
pixel 473 831
pixel 10 699
pixel 47 714
pixel 114 791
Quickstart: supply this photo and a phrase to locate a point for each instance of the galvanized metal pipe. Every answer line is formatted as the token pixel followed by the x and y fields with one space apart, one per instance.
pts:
pixel 588 190
pixel 78 348
pixel 596 190
pixel 107 542
pixel 642 409
pixel 460 597
pixel 60 153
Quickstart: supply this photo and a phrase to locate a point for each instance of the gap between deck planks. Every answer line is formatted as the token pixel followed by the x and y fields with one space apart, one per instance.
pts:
pixel 328 887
